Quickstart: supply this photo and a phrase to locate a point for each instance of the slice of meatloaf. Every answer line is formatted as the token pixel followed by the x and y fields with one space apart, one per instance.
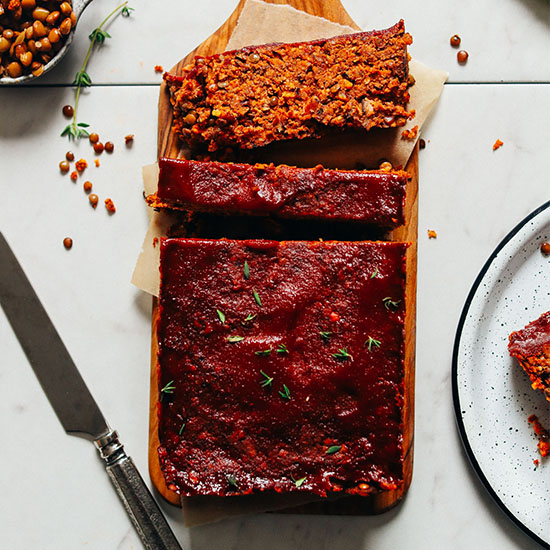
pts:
pixel 251 97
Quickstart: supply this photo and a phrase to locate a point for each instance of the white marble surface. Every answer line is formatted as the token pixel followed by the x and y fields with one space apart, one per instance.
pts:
pixel 55 494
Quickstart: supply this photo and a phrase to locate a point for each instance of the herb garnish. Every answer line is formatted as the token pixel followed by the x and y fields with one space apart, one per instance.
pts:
pixel 264 352
pixel 246 270
pixel 221 315
pixel 248 318
pixel 181 429
pixel 234 339
pixel 374 273
pixel 232 481
pixel 76 130
pixel 257 298
pixel 333 449
pixel 298 482
pixel 168 389
pixel 282 349
pixel 268 379
pixel 389 303
pixel 285 393
pixel 342 355
pixel 325 335
pixel 372 342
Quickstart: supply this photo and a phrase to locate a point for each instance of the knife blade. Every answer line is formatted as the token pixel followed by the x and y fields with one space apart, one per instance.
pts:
pixel 73 403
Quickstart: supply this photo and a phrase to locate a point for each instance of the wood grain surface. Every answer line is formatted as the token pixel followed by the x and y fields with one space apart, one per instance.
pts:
pixel 168 146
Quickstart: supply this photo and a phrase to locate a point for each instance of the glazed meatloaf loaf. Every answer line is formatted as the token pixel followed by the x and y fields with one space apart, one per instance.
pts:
pixel 281 366
pixel 375 197
pixel 531 347
pixel 250 97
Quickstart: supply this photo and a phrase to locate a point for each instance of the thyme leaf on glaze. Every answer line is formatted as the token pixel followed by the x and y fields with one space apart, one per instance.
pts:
pixel 372 342
pixel 168 389
pixel 374 273
pixel 325 335
pixel 267 380
pixel 249 318
pixel 246 270
pixel 234 339
pixel 390 304
pixel 221 316
pixel 333 449
pixel 232 481
pixel 257 298
pixel 298 482
pixel 342 355
pixel 282 349
pixel 181 429
pixel 285 393
pixel 263 352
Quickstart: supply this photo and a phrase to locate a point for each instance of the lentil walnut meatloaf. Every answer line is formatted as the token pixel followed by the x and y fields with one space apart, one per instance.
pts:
pixel 281 366
pixel 531 347
pixel 251 97
pixel 375 197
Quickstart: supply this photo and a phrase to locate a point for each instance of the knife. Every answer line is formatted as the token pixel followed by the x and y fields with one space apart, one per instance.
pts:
pixel 72 401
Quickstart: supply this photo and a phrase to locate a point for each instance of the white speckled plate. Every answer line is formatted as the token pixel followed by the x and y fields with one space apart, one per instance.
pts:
pixel 492 395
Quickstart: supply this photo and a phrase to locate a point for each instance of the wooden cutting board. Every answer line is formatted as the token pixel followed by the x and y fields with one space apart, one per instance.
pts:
pixel 168 146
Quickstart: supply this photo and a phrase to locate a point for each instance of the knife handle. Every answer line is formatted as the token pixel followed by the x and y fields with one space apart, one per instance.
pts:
pixel 149 521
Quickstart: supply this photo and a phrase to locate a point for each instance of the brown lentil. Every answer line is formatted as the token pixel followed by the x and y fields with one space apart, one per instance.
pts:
pixel 462 56
pixel 93 137
pixel 545 248
pixel 68 111
pixel 93 200
pixel 69 155
pixel 129 139
pixel 87 186
pixel 455 41
pixel 98 147
pixel 421 143
pixel 109 146
pixel 68 243
pixel 64 166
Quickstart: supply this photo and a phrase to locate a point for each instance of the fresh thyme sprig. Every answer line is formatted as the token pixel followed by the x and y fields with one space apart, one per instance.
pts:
pixel 342 355
pixel 333 449
pixel 267 380
pixel 282 349
pixel 249 318
pixel 234 339
pixel 374 273
pixel 76 130
pixel 257 298
pixel 168 389
pixel 264 352
pixel 221 316
pixel 232 481
pixel 182 427
pixel 285 392
pixel 325 335
pixel 372 342
pixel 297 482
pixel 390 304
pixel 246 270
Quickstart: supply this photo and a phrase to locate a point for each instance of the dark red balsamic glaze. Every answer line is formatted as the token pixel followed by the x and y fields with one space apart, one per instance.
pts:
pixel 223 433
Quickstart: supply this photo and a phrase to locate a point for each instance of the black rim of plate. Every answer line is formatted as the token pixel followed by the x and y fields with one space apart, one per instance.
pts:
pixel 456 397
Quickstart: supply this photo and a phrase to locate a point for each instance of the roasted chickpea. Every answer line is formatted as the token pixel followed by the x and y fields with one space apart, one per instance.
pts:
pixel 40 14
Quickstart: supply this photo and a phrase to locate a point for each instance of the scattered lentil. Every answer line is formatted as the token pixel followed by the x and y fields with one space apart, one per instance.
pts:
pixel 68 243
pixel 455 41
pixel 98 147
pixel 109 146
pixel 422 144
pixel 93 137
pixel 87 186
pixel 93 200
pixel 545 248
pixel 129 139
pixel 69 155
pixel 462 56
pixel 64 166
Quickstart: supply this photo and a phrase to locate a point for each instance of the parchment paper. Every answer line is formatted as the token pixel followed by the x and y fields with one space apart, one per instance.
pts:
pixel 262 23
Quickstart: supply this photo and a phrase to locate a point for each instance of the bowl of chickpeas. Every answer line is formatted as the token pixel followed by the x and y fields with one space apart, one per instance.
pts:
pixel 34 36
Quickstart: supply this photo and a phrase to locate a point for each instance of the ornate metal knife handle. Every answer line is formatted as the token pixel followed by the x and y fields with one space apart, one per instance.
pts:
pixel 144 512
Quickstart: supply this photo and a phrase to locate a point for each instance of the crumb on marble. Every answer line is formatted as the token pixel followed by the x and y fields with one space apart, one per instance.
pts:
pixel 410 134
pixel 497 144
pixel 432 234
pixel 159 69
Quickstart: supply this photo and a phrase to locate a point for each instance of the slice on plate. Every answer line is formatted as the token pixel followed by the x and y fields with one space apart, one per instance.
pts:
pixel 370 197
pixel 531 347
pixel 260 94
pixel 281 366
